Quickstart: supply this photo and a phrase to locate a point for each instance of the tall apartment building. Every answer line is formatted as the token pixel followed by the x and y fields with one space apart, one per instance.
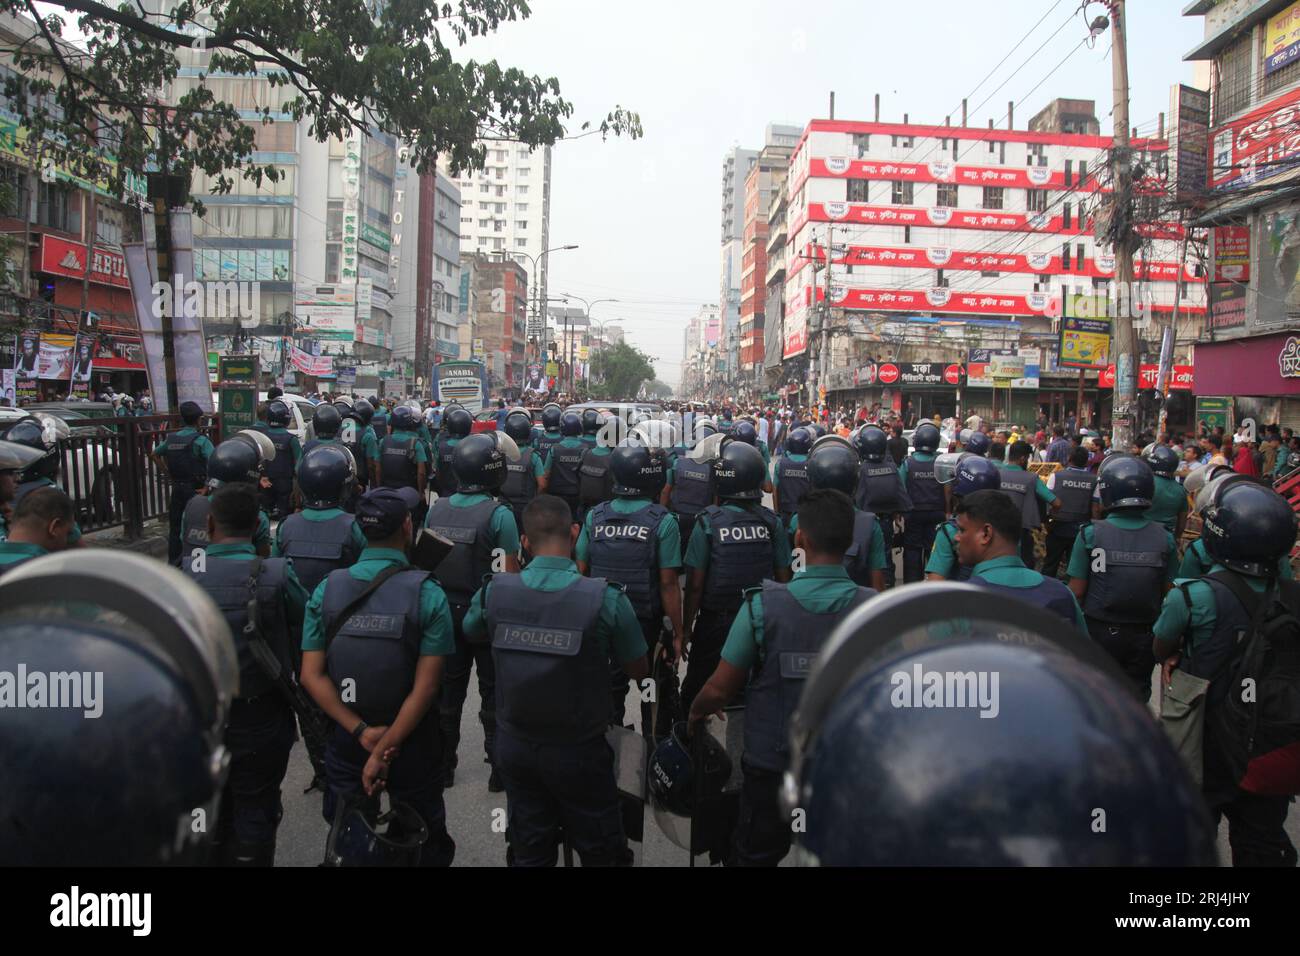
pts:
pixel 1250 194
pixel 735 167
pixel 506 212
pixel 768 169
pixel 502 310
pixel 971 233
pixel 427 213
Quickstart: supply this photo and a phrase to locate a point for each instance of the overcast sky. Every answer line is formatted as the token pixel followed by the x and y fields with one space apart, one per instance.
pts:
pixel 709 75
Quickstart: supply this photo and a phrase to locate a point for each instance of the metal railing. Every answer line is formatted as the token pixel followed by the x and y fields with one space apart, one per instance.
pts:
pixel 106 468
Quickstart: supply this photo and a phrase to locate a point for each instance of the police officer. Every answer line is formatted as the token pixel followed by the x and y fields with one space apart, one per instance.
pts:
pixel 379 420
pixel 384 628
pixel 152 753
pixel 1248 530
pixel 690 485
pixel 972 474
pixel 866 712
pixel 456 427
pixel 736 544
pixel 988 541
pixel 356 433
pixel 41 434
pixel 403 461
pixel 881 489
pixel 929 504
pixel 977 443
pixel 776 637
pixel 236 460
pixel 525 478
pixel 552 699
pixel 1026 490
pixel 1169 503
pixel 40 525
pixel 592 420
pixel 1074 487
pixel 634 541
pixel 182 456
pixel 322 537
pixel 595 481
pixel 1121 566
pixel 485 540
pixel 791 475
pixel 326 420
pixel 13 459
pixel 1196 559
pixel 564 460
pixel 550 436
pixel 281 469
pixel 745 430
pixel 261 729
pixel 834 465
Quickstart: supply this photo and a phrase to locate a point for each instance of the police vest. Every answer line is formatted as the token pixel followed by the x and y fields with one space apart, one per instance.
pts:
pixel 470 531
pixel 1131 588
pixel 378 647
pixel 552 677
pixel 1074 488
pixel 352 436
pixel 544 442
pixel 792 638
pixel 227 582
pixel 565 462
pixel 380 424
pixel 958 571
pixel 1019 487
pixel 183 465
pixel 741 554
pixel 317 443
pixel 318 547
pixel 791 485
pixel 195 523
pixel 857 560
pixel 692 486
pixel 281 468
pixel 595 480
pixel 624 548
pixel 925 492
pixel 520 486
pixel 397 465
pixel 1049 594
pixel 879 489
pixel 446 480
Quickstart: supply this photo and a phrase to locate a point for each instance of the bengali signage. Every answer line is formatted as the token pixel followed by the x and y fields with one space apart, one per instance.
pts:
pixel 989 368
pixel 1259 145
pixel 67 258
pixel 1213 411
pixel 1085 343
pixel 1182 378
pixel 1232 253
pixel 1227 306
pixel 351 207
pixel 919 374
pixel 376 237
pixel 309 364
pixel 238 391
pixel 1288 360
pixel 327 312
pixel 1282 39
pixel 1189 140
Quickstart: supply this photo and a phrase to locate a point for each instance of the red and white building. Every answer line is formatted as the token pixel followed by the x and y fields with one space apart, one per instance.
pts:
pixel 962 223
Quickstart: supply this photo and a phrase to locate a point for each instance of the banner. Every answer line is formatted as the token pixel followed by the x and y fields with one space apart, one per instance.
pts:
pixel 27 356
pixel 83 364
pixel 56 356
pixel 536 380
pixel 1085 343
pixel 1282 39
pixel 1259 145
pixel 1181 378
pixel 7 397
pixel 1212 411
pixel 1232 253
pixel 1227 306
pixel 1278 301
pixel 310 364
pixel 328 312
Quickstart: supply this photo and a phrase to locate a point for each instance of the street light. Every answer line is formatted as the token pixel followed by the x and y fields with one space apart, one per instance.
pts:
pixel 587 306
pixel 538 305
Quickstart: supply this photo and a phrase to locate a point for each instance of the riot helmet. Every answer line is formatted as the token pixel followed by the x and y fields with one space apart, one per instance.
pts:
pixel 639 471
pixel 739 472
pixel 1247 527
pixel 479 461
pixel 1125 481
pixel 278 414
pixel 326 476
pixel 458 422
pixel 798 442
pixel 926 438
pixel 326 421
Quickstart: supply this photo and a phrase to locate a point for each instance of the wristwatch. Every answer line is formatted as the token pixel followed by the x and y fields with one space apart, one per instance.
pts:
pixel 359 729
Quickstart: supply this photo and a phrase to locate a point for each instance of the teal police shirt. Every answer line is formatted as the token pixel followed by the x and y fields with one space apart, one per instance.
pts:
pixel 819 589
pixel 697 549
pixel 669 537
pixel 318 514
pixel 1010 572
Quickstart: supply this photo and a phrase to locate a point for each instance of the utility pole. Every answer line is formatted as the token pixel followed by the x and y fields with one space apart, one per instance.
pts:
pixel 1121 231
pixel 824 321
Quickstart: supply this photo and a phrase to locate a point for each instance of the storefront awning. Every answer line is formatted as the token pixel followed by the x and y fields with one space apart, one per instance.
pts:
pixel 1276 189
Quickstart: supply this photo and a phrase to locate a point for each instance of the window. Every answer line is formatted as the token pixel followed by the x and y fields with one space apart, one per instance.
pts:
pixel 274 137
pixel 903 141
pixel 521 243
pixel 861 144
pixel 484 223
pixel 902 193
pixel 993 197
pixel 524 171
pixel 500 172
pixel 332 254
pixel 521 223
pixel 1036 156
pixel 939 280
pixel 498 244
pixel 500 209
pixel 1232 92
pixel 465 219
pixel 858 190
pixel 334 221
pixel 1069 171
pixel 501 191
pixel 993 274
pixel 521 190
pixel 1083 172
pixel 484 188
pixel 1078 257
pixel 907 234
pixel 17 200
pixel 521 207
pixel 108 225
pixel 1036 200
pixel 498 155
pixel 947 194
pixel 1065 257
pixel 58 207
pixel 1067 218
pixel 498 225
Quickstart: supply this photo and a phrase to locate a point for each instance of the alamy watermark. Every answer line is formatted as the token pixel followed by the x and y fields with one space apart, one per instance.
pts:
pixel 227 302
pixel 921 688
pixel 54 690
pixel 1111 300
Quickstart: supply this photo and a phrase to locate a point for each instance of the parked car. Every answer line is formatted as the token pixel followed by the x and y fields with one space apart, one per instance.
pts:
pixel 89 469
pixel 302 410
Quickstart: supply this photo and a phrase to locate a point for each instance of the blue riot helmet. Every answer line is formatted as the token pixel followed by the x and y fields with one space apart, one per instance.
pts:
pixel 154 665
pixel 235 459
pixel 457 421
pixel 40 433
pixel 1125 481
pixel 869 440
pixel 570 425
pixel 519 426
pixel 326 476
pixel 479 461
pixel 739 471
pixel 798 442
pixel 591 421
pixel 676 794
pixel 639 471
pixel 1162 459
pixel 978 443
pixel 938 728
pixel 364 834
pixel 551 415
pixel 364 412
pixel 926 438
pixel 403 418
pixel 966 472
pixel 1247 527
pixel 745 431
pixel 278 414
pixel 834 465
pixel 326 420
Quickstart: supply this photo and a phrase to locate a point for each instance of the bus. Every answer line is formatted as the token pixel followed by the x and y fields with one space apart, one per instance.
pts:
pixel 464 383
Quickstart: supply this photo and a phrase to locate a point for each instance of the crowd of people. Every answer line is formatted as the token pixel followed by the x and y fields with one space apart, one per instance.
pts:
pixel 566 556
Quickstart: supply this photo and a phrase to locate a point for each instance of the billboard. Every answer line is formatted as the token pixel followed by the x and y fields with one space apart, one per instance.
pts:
pixel 67 258
pixel 1232 253
pixel 1259 145
pixel 1085 343
pixel 1189 140
pixel 1278 300
pixel 795 334
pixel 329 312
pixel 1282 39
pixel 983 367
pixel 1227 306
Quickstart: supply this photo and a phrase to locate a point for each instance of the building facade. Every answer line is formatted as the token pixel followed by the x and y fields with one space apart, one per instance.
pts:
pixel 501 302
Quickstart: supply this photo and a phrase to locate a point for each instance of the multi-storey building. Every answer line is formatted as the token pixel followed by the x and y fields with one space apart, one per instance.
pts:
pixel 425 323
pixel 506 210
pixel 1249 359
pixel 768 169
pixel 946 243
pixel 502 312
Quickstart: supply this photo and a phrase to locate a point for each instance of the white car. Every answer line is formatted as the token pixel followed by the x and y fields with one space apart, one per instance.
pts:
pixel 89 472
pixel 302 410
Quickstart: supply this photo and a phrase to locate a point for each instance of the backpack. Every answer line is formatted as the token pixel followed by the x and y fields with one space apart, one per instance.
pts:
pixel 1258 712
